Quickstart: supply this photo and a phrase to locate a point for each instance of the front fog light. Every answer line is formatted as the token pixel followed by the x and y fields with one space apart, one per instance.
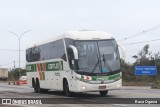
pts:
pixel 83 88
pixel 118 85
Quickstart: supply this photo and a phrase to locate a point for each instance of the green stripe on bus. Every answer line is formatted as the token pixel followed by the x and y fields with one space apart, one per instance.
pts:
pixel 114 76
pixel 82 76
pixel 111 77
pixel 43 74
pixel 99 78
pixel 31 67
pixel 41 67
pixel 50 66
pixel 54 66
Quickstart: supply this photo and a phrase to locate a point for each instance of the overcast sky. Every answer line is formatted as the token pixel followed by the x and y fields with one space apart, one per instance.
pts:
pixel 49 18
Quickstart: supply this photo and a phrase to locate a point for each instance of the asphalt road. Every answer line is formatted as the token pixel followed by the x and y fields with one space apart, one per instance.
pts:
pixel 81 99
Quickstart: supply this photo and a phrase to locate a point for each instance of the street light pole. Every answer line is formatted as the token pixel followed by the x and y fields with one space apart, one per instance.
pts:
pixel 19 40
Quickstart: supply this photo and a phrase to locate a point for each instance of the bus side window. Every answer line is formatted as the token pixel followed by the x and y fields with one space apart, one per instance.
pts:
pixel 28 55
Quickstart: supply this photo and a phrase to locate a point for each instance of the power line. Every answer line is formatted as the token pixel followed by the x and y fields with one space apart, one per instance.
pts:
pixel 7 64
pixel 141 42
pixel 144 31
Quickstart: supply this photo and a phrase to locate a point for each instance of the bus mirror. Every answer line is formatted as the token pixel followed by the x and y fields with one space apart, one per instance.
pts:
pixel 75 51
pixel 123 50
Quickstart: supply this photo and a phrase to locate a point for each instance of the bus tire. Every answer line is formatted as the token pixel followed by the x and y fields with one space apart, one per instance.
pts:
pixel 38 89
pixel 37 86
pixel 34 84
pixel 103 93
pixel 66 88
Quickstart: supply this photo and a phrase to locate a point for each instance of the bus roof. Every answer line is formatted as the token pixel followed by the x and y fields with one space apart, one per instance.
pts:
pixel 79 35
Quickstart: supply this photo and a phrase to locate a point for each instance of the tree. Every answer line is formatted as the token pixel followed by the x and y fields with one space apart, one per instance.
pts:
pixel 14 74
pixel 146 58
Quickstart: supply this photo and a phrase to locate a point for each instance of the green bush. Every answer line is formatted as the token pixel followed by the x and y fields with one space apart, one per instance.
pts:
pixel 15 74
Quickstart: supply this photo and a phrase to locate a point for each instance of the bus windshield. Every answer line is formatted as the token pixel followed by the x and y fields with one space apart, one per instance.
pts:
pixel 100 56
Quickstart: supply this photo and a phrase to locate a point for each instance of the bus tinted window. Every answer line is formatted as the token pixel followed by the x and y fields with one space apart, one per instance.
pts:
pixel 46 51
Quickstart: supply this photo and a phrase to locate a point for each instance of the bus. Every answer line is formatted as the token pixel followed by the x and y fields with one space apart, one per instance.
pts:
pixel 76 61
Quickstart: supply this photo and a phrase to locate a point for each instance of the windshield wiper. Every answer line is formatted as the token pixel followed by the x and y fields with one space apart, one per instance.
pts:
pixel 97 63
pixel 104 59
pixel 106 65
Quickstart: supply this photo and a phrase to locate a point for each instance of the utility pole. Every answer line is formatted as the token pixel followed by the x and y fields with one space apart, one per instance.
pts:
pixel 14 64
pixel 19 39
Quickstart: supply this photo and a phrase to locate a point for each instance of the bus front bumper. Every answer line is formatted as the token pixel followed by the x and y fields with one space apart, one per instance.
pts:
pixel 86 87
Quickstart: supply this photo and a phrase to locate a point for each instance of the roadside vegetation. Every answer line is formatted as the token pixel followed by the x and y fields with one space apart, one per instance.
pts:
pixel 14 74
pixel 143 58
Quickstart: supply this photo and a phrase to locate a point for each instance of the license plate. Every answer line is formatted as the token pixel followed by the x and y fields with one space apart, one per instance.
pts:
pixel 102 87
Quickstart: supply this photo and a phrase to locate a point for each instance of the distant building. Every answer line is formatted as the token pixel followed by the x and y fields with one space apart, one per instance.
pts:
pixel 3 73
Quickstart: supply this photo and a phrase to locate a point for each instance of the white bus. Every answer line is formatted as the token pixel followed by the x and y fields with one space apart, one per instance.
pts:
pixel 76 61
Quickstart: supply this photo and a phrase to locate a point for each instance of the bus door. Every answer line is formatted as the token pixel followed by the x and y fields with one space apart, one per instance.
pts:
pixel 72 64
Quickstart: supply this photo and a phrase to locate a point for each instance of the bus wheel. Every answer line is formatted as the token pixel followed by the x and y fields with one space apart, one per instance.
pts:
pixel 66 88
pixel 33 82
pixel 103 93
pixel 37 86
pixel 34 85
pixel 38 89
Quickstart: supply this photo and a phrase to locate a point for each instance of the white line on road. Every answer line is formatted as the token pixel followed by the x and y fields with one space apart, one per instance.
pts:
pixel 122 105
pixel 19 105
pixel 144 94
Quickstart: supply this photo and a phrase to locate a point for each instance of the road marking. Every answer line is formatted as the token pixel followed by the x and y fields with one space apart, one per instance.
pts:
pixel 20 105
pixel 90 101
pixel 144 94
pixel 122 105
